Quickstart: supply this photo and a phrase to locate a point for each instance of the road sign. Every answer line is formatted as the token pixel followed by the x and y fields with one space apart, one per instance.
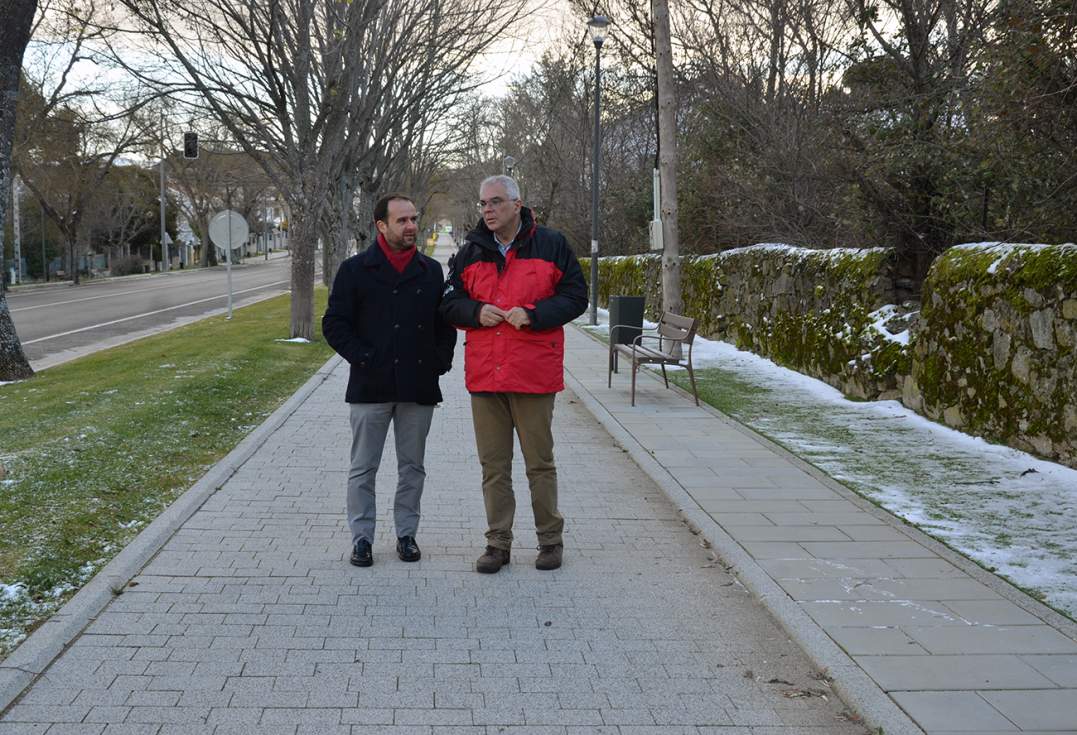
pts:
pixel 228 229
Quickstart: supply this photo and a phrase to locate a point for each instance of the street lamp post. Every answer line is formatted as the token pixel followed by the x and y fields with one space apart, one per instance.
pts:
pixel 509 163
pixel 597 26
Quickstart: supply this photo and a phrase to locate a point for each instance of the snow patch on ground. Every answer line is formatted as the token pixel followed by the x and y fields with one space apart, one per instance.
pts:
pixel 295 340
pixel 1004 508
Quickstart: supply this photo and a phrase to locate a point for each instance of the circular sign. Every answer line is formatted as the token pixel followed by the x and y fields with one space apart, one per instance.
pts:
pixel 228 230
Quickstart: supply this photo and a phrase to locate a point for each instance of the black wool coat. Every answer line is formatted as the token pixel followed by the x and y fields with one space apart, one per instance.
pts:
pixel 387 326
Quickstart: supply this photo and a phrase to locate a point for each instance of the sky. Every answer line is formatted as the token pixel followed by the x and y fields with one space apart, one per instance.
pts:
pixel 513 57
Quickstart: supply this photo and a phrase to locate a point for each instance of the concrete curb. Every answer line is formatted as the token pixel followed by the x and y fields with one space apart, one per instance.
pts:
pixel 851 683
pixel 34 655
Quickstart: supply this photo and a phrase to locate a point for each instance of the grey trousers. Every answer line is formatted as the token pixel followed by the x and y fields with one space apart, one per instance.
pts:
pixel 370 425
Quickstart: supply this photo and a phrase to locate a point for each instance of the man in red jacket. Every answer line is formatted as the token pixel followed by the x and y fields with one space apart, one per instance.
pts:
pixel 511 287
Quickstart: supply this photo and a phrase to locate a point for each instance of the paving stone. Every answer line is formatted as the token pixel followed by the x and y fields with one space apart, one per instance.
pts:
pixel 1062 670
pixel 953 673
pixel 876 640
pixel 960 711
pixel 1036 710
pixel 1030 639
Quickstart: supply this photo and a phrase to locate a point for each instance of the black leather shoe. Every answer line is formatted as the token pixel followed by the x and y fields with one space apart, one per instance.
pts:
pixel 361 555
pixel 407 549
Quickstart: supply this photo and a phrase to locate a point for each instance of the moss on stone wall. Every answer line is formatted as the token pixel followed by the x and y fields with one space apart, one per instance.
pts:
pixel 811 310
pixel 997 351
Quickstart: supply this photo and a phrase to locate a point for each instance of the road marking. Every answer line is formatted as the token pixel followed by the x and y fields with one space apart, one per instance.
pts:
pixel 151 313
pixel 106 296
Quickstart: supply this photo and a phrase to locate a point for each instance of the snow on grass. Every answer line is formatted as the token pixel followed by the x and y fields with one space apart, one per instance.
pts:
pixel 295 340
pixel 1006 509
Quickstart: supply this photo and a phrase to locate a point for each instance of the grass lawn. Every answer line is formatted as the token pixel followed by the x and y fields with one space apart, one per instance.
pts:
pixel 95 449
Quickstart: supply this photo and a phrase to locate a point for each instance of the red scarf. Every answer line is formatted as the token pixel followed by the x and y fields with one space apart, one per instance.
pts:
pixel 399 260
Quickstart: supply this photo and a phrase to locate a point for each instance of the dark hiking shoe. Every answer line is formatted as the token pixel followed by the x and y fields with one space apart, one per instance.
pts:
pixel 361 555
pixel 407 549
pixel 492 560
pixel 549 557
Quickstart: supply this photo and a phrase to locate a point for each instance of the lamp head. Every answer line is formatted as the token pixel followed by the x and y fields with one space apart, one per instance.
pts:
pixel 598 25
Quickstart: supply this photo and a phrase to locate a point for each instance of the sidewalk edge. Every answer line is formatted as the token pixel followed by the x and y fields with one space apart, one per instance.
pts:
pixel 851 683
pixel 34 655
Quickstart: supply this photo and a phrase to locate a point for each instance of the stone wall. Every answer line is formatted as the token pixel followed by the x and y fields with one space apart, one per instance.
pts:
pixel 826 313
pixel 993 352
pixel 996 352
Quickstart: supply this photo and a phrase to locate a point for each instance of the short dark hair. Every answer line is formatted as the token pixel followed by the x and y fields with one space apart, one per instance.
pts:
pixel 381 208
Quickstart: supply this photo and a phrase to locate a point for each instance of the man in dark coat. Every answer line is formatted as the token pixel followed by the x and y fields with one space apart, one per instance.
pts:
pixel 512 287
pixel 383 319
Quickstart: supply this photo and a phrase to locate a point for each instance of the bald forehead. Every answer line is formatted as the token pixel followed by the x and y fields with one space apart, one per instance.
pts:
pixel 400 209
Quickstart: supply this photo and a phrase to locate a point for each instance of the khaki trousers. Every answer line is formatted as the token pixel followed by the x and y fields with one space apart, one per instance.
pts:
pixel 496 416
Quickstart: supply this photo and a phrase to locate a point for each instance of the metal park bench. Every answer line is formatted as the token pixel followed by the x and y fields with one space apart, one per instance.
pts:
pixel 673 334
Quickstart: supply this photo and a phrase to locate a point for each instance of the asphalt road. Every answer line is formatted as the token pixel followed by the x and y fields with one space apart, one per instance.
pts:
pixel 59 323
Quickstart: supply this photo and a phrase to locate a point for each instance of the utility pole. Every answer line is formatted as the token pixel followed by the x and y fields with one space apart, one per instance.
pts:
pixel 16 226
pixel 44 262
pixel 667 159
pixel 164 245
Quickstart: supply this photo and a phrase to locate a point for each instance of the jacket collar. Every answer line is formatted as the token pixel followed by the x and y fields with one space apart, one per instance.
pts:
pixel 483 237
pixel 374 259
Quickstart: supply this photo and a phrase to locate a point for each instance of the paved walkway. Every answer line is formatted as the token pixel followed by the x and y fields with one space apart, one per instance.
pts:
pixel 250 619
pixel 958 649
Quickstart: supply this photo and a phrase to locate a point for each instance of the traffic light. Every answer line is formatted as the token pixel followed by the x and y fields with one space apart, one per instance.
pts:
pixel 190 145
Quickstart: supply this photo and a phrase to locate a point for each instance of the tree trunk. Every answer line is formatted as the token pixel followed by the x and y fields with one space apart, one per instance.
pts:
pixel 13 363
pixel 209 250
pixel 338 233
pixel 667 161
pixel 14 35
pixel 303 237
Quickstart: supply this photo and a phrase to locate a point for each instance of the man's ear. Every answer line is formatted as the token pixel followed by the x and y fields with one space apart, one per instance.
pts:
pixel 381 226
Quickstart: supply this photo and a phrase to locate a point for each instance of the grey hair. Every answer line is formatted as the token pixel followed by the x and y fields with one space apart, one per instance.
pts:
pixel 512 189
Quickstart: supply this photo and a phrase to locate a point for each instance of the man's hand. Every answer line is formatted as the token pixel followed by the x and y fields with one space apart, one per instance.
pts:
pixel 518 317
pixel 490 315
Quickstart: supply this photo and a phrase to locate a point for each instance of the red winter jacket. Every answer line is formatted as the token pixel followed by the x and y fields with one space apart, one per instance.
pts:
pixel 539 273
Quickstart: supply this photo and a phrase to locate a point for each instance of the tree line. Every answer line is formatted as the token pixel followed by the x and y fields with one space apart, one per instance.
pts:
pixel 332 102
pixel 916 124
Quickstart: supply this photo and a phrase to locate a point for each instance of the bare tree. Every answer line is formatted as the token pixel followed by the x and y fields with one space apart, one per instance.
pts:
pixel 72 128
pixel 667 161
pixel 315 90
pixel 18 16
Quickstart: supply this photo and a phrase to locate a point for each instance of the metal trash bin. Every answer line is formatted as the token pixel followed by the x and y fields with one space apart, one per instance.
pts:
pixel 625 310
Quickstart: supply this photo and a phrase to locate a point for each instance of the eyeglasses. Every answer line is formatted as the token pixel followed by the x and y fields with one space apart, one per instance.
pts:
pixel 494 203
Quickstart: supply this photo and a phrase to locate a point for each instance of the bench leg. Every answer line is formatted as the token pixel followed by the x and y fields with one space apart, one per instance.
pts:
pixel 664 376
pixel 692 377
pixel 635 367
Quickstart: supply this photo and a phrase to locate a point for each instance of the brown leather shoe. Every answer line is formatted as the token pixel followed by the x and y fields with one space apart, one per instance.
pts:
pixel 492 560
pixel 549 557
